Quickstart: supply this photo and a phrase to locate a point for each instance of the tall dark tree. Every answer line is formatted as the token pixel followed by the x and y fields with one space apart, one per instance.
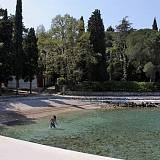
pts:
pixel 18 39
pixel 31 57
pixel 155 26
pixel 97 38
pixel 6 30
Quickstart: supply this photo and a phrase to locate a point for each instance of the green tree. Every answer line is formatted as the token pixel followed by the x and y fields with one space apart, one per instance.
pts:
pixel 115 70
pixel 18 40
pixel 81 27
pixel 31 57
pixel 110 37
pixel 64 33
pixel 40 31
pixel 63 28
pixel 155 26
pixel 6 54
pixel 97 38
pixel 85 60
pixel 149 70
pixel 142 48
pixel 123 30
pixel 154 47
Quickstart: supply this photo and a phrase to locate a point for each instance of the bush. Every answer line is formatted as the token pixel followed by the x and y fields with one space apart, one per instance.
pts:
pixel 116 86
pixel 61 81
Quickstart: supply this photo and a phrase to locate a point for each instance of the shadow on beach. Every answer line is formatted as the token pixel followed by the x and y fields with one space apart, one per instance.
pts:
pixel 11 118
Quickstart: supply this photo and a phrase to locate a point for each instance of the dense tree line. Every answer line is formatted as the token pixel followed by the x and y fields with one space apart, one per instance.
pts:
pixel 75 54
pixel 71 52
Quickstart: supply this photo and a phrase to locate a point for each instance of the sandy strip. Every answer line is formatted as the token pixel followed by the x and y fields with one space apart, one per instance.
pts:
pixel 46 106
pixel 21 112
pixel 45 112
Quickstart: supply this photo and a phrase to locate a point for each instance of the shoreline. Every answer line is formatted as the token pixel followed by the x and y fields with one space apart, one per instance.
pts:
pixel 29 109
pixel 46 113
pixel 32 115
pixel 11 116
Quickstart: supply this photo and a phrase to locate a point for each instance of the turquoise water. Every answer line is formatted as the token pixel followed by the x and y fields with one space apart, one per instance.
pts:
pixel 128 134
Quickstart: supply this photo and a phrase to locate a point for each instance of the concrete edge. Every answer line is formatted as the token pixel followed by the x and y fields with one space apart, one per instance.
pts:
pixel 17 150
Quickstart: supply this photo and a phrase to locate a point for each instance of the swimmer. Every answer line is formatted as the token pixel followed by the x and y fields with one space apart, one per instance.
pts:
pixel 53 122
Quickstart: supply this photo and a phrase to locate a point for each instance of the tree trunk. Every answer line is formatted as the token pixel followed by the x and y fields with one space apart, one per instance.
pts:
pixel 150 80
pixel 124 68
pixel 44 82
pixel 30 87
pixel 17 86
pixel 110 76
pixel 0 88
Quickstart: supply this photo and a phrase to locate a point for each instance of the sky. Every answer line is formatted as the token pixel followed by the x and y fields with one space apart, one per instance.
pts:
pixel 35 12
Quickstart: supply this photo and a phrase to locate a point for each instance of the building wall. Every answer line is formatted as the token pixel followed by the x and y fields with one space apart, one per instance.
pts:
pixel 22 84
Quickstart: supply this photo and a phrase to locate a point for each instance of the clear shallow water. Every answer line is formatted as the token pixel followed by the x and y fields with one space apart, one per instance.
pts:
pixel 128 134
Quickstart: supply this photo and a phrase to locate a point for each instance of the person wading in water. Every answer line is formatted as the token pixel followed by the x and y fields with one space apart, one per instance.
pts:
pixel 53 122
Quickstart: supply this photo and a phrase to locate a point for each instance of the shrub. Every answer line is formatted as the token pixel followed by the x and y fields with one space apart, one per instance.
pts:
pixel 61 81
pixel 116 86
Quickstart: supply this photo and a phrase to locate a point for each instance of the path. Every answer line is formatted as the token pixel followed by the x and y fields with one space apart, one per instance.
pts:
pixel 21 150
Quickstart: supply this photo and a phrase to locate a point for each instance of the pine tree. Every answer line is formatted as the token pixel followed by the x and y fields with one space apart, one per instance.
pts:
pixel 18 39
pixel 155 26
pixel 31 57
pixel 97 38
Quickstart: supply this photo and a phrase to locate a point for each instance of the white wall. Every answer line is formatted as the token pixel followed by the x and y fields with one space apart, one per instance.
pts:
pixel 22 84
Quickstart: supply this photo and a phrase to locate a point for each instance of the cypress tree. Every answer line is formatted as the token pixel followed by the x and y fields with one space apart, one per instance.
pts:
pixel 97 38
pixel 18 43
pixel 31 56
pixel 5 17
pixel 155 26
pixel 6 31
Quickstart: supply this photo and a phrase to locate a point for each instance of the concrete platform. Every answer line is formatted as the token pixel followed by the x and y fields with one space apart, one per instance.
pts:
pixel 12 149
